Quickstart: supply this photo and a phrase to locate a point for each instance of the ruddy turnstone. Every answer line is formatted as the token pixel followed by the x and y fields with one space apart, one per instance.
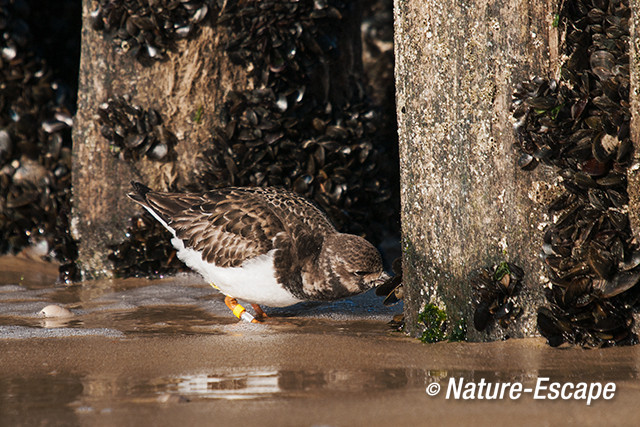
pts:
pixel 265 246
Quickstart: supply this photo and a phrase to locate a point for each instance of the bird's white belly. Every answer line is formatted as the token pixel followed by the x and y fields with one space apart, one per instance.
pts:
pixel 254 281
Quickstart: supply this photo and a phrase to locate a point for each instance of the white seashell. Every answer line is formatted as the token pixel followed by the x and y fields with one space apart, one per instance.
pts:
pixel 55 311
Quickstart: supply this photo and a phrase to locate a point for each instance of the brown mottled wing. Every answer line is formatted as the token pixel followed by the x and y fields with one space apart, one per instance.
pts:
pixel 295 211
pixel 228 226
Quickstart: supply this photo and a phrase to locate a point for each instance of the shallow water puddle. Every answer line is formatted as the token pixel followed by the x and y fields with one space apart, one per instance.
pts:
pixel 253 383
pixel 99 393
pixel 182 304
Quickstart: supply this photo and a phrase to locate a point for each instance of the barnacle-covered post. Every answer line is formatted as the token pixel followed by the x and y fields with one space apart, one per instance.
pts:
pixel 466 205
pixel 181 75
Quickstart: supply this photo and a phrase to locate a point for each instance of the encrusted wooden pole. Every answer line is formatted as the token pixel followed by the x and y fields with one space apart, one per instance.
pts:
pixel 466 204
pixel 187 89
pixel 633 173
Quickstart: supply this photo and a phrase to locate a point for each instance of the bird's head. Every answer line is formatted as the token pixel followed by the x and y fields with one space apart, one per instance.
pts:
pixel 355 262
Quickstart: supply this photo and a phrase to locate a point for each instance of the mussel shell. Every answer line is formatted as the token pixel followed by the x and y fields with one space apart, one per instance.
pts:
pixel 550 327
pixel 598 198
pixel 612 180
pixel 621 282
pixel 632 262
pixel 619 220
pixel 609 324
pixel 481 316
pixel 618 199
pixel 504 310
pixel 624 150
pixel 577 289
pixel 394 296
pixel 542 102
pixel 527 162
pixel 594 168
pixel 585 181
pixel 134 140
pixel 604 147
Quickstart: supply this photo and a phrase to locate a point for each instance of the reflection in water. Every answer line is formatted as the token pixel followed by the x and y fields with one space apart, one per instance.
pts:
pixel 64 399
pixel 49 323
pixel 268 382
pixel 38 400
pixel 239 385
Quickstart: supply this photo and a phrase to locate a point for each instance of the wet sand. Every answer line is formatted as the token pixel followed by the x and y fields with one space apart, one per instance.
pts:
pixel 168 352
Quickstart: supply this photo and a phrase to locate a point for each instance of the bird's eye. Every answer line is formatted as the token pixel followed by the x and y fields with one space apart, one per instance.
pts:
pixel 361 273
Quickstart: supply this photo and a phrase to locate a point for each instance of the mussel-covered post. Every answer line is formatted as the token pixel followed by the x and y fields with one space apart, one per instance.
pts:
pixel 151 83
pixel 633 173
pixel 470 215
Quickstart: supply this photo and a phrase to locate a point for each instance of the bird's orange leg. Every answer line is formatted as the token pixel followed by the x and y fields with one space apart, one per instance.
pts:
pixel 259 312
pixel 239 311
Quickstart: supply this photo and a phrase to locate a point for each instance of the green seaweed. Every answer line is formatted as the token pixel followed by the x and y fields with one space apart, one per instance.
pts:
pixel 552 112
pixel 459 331
pixel 434 320
pixel 501 271
pixel 555 111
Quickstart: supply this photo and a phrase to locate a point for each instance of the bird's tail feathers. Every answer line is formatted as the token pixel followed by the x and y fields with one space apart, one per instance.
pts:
pixel 140 194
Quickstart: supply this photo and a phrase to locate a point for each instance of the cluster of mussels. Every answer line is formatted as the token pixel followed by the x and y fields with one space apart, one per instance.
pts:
pixel 35 147
pixel 145 251
pixel 288 44
pixel 331 161
pixel 494 290
pixel 146 29
pixel 287 133
pixel 133 131
pixel 580 125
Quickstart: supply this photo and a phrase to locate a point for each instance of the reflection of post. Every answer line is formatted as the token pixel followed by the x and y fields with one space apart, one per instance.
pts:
pixel 36 398
pixel 242 384
pixel 465 204
pixel 100 391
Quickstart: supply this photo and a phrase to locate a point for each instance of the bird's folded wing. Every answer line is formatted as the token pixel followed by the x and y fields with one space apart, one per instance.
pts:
pixel 227 226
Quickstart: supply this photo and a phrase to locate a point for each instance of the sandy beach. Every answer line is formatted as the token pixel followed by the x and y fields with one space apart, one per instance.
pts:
pixel 168 352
